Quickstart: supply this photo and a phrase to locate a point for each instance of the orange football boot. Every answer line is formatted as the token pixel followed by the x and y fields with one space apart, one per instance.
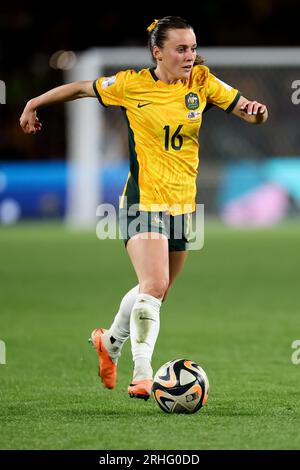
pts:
pixel 140 389
pixel 107 368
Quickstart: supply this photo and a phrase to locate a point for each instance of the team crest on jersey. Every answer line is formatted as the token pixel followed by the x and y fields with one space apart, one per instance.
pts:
pixel 192 101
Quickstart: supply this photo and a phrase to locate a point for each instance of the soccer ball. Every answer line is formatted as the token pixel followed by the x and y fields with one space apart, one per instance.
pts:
pixel 180 386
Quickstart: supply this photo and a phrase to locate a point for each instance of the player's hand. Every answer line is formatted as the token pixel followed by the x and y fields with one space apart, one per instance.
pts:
pixel 253 107
pixel 29 121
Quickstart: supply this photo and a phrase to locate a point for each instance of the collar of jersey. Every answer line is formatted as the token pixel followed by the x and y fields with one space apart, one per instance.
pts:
pixel 163 84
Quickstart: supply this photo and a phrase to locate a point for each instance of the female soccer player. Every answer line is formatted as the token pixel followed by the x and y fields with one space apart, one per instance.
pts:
pixel 163 107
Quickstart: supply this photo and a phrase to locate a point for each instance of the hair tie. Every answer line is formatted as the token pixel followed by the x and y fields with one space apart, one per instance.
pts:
pixel 152 26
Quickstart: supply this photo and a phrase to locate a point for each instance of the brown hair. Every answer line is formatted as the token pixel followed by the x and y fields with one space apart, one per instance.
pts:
pixel 158 33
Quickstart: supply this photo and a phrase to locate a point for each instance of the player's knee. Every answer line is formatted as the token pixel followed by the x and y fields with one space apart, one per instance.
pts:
pixel 156 287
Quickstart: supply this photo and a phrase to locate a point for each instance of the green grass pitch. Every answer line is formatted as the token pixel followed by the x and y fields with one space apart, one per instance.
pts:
pixel 235 310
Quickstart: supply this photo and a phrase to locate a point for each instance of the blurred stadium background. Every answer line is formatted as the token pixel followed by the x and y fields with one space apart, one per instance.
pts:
pixel 256 168
pixel 240 293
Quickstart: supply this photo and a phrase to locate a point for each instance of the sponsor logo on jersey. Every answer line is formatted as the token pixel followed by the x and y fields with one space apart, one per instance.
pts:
pixel 192 101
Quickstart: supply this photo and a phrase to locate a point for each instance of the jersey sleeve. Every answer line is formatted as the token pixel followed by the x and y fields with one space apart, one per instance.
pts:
pixel 221 94
pixel 110 91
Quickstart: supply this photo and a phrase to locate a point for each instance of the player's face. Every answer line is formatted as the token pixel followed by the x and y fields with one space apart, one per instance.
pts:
pixel 179 53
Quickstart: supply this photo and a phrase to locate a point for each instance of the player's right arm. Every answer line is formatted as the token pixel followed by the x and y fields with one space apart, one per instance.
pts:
pixel 30 122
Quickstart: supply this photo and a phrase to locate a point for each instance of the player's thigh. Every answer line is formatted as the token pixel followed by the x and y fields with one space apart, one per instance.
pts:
pixel 150 259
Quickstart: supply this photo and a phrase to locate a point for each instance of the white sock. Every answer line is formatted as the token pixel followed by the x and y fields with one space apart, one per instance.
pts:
pixel 118 333
pixel 144 328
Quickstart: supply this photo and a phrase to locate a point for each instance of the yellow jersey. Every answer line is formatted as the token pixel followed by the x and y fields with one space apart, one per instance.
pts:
pixel 163 126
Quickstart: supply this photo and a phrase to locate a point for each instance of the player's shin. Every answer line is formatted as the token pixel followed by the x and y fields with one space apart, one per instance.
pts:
pixel 118 333
pixel 144 328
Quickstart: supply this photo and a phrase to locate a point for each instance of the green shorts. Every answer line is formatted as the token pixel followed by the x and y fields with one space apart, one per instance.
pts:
pixel 175 228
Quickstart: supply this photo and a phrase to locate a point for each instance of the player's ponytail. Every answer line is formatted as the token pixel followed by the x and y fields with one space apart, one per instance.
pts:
pixel 158 33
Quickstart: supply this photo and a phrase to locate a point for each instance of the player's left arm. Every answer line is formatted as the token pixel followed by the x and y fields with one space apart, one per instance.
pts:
pixel 250 111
